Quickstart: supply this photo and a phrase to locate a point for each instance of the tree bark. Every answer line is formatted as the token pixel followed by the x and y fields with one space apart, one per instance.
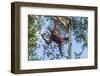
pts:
pixel 69 43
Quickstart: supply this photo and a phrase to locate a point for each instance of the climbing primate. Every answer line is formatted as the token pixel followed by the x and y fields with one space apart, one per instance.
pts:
pixel 56 37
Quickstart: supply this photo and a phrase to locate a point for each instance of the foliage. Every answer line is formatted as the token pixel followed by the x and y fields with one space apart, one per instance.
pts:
pixel 80 30
pixel 32 36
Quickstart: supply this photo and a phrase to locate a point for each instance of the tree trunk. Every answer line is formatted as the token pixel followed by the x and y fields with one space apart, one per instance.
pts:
pixel 69 43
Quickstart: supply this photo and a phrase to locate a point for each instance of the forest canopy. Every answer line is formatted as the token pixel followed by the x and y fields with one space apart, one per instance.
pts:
pixel 57 37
